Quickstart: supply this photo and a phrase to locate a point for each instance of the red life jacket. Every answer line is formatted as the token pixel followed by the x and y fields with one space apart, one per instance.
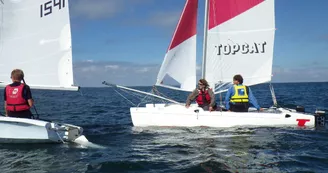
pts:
pixel 203 97
pixel 14 98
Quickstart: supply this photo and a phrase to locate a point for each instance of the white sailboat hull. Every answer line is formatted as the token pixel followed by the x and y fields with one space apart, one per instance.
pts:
pixel 21 130
pixel 178 115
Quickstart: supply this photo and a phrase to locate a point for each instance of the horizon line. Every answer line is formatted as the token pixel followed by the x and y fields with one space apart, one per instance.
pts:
pixel 195 85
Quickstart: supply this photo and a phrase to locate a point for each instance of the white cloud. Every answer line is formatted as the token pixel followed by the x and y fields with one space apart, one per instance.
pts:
pixel 89 60
pixel 300 74
pixel 114 67
pixel 122 73
pixel 143 70
pixel 95 9
pixel 102 9
pixel 165 18
pixel 92 73
pixel 198 67
pixel 89 68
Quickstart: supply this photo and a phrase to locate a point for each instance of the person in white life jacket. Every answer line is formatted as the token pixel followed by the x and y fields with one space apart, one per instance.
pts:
pixel 18 97
pixel 203 95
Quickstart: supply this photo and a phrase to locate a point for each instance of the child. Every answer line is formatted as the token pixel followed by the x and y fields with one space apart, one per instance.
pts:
pixel 18 97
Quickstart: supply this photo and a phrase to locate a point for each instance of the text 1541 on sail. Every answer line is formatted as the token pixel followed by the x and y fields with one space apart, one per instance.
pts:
pixel 47 7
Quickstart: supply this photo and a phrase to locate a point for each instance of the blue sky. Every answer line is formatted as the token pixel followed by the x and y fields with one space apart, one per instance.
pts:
pixel 124 41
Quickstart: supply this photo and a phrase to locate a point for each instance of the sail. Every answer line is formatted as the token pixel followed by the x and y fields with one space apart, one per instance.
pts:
pixel 35 36
pixel 180 60
pixel 240 41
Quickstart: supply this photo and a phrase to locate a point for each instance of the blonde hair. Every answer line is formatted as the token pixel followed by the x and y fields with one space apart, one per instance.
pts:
pixel 17 74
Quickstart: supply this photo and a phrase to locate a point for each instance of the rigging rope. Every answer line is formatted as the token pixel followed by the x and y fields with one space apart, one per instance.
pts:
pixel 124 97
pixel 36 112
pixel 60 137
pixel 144 99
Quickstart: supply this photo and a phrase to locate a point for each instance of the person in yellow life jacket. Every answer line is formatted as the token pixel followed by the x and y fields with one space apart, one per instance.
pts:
pixel 203 95
pixel 18 97
pixel 239 96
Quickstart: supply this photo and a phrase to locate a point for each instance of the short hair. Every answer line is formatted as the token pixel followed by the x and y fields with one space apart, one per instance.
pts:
pixel 17 74
pixel 238 78
pixel 203 81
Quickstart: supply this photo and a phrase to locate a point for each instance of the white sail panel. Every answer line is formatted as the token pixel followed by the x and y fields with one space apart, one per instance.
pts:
pixel 180 64
pixel 35 36
pixel 180 59
pixel 240 41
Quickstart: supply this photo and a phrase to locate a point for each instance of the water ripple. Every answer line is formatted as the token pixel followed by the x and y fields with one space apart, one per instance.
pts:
pixel 106 121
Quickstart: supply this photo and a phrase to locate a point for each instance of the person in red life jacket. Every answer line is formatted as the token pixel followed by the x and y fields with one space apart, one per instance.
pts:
pixel 18 97
pixel 203 95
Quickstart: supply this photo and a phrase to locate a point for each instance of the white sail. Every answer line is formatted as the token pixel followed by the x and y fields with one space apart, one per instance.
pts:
pixel 35 36
pixel 180 59
pixel 240 41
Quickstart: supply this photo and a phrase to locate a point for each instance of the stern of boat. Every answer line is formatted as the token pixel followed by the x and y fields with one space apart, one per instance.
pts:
pixel 66 132
pixel 320 119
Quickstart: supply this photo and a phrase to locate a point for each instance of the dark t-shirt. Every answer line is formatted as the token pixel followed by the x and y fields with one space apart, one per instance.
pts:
pixel 26 91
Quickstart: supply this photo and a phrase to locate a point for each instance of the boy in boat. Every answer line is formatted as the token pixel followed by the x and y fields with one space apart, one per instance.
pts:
pixel 18 97
pixel 204 96
pixel 240 96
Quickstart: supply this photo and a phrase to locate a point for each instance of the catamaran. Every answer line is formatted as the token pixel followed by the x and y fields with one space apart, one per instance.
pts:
pixel 35 36
pixel 238 39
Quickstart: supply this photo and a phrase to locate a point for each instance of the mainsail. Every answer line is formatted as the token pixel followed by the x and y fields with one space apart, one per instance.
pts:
pixel 35 36
pixel 180 59
pixel 240 40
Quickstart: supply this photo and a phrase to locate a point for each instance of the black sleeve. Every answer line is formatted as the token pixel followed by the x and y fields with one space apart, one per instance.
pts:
pixel 4 95
pixel 27 94
pixel 247 90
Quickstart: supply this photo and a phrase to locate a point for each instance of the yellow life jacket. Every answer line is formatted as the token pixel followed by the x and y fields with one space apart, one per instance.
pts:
pixel 240 95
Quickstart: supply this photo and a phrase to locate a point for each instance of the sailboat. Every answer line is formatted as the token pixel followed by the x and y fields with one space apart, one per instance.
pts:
pixel 238 39
pixel 35 36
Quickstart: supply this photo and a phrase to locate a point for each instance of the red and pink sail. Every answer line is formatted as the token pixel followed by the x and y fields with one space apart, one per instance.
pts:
pixel 180 60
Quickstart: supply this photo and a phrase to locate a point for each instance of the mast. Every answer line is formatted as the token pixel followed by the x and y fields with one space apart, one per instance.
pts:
pixel 205 38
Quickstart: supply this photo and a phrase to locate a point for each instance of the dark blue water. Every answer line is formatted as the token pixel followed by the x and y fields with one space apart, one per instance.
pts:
pixel 106 120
